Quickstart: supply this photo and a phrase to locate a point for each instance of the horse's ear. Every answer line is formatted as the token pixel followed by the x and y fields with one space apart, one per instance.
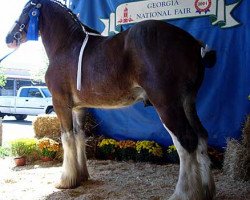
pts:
pixel 34 2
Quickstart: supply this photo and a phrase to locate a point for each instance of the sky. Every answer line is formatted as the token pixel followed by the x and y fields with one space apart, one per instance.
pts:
pixel 30 55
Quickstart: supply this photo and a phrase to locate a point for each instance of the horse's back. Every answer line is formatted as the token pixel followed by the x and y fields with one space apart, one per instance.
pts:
pixel 164 51
pixel 162 31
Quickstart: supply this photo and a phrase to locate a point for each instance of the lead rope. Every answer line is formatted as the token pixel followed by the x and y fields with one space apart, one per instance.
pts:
pixel 79 68
pixel 7 55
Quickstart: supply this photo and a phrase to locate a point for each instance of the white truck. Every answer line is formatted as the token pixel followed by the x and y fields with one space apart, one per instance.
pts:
pixel 30 100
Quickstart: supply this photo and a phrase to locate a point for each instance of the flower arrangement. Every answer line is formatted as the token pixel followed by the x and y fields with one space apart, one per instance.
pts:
pixel 48 147
pixel 126 144
pixel 172 155
pixel 171 149
pixel 150 146
pixel 107 148
pixel 145 151
pixel 126 150
pixel 148 151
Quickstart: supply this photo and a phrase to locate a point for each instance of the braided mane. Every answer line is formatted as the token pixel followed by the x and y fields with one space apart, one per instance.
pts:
pixel 74 16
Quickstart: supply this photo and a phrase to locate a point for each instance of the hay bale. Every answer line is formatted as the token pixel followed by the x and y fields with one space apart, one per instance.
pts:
pixel 89 125
pixel 246 143
pixel 246 133
pixel 236 163
pixel 91 146
pixel 47 126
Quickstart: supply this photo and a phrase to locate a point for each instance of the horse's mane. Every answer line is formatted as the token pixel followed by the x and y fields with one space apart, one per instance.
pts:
pixel 74 16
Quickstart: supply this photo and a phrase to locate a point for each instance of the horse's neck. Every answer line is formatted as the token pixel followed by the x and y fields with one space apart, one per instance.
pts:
pixel 58 29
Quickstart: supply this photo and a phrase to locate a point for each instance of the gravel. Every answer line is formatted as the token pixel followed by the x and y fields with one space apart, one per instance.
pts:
pixel 109 180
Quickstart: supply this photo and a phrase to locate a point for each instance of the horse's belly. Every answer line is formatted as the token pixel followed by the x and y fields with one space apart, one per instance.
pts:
pixel 114 100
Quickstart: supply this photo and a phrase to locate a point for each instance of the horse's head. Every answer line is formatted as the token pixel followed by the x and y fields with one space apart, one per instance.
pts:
pixel 18 34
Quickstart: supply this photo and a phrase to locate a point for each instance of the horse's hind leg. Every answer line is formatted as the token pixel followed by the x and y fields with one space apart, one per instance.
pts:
pixel 202 156
pixel 189 185
pixel 78 124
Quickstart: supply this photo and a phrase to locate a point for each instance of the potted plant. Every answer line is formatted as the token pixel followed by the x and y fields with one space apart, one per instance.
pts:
pixel 48 149
pixel 21 149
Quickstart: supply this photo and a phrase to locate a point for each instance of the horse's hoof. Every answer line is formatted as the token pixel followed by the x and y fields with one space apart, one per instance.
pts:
pixel 209 192
pixel 186 197
pixel 65 185
pixel 84 178
pixel 174 197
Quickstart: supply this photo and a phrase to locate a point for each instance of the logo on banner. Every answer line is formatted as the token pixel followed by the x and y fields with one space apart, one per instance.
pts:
pixel 202 6
pixel 133 12
pixel 125 17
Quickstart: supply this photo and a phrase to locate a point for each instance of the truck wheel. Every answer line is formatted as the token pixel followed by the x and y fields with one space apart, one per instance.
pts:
pixel 51 111
pixel 20 117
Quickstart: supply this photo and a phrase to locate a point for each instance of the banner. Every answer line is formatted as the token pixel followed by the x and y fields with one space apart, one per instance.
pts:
pixel 134 12
pixel 222 102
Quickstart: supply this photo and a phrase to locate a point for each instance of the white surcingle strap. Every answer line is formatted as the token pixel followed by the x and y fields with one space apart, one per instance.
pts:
pixel 79 68
pixel 204 50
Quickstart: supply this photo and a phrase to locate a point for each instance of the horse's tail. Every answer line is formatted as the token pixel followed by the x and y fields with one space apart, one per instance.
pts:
pixel 208 56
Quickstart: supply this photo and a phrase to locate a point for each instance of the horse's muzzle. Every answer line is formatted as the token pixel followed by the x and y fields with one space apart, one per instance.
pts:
pixel 9 39
pixel 11 42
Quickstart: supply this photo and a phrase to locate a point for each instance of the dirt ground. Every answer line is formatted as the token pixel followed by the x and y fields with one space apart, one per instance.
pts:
pixel 109 180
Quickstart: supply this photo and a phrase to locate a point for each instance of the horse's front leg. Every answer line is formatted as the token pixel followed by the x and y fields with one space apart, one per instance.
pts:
pixel 70 169
pixel 78 124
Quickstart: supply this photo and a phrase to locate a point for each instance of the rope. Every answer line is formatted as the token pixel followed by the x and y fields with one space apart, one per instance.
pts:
pixel 79 67
pixel 7 55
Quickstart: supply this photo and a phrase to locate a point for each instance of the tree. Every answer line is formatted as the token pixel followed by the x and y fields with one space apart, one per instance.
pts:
pixel 2 80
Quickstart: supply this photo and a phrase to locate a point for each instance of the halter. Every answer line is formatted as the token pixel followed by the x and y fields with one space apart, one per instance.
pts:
pixel 18 35
pixel 22 26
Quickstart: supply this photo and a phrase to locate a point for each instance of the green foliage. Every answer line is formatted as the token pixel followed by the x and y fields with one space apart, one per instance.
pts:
pixel 4 152
pixel 147 151
pixel 2 80
pixel 171 149
pixel 126 150
pixel 23 147
pixel 172 155
pixel 107 148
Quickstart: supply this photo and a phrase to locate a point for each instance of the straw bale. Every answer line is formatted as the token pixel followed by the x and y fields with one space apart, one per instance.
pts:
pixel 237 156
pixel 47 126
